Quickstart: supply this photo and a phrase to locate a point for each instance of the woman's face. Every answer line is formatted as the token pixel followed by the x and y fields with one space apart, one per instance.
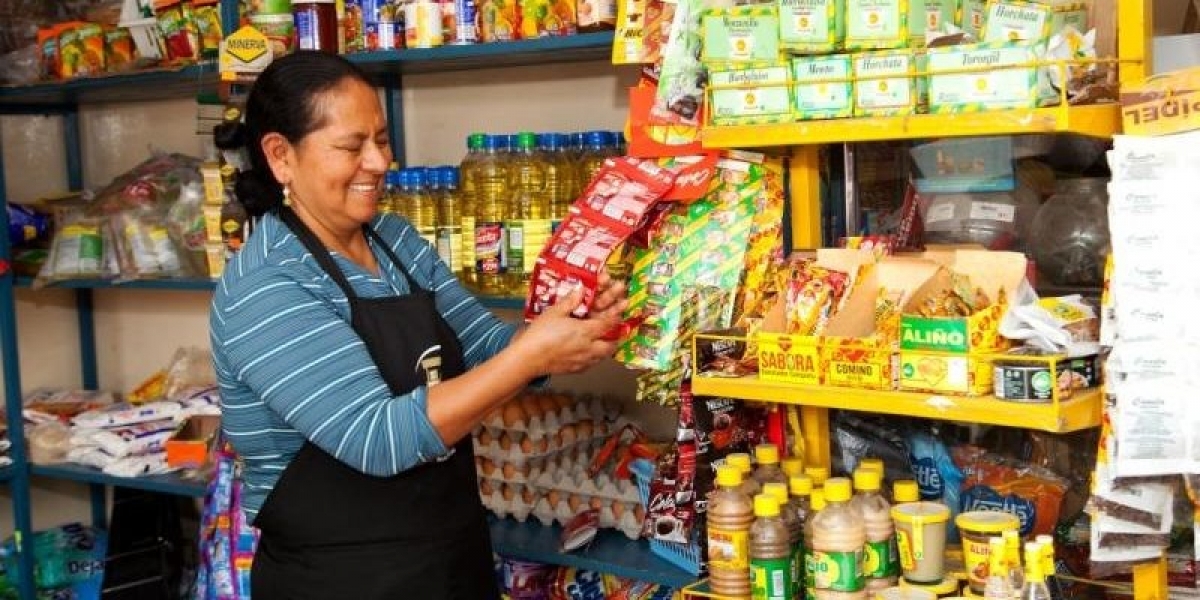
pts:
pixel 336 171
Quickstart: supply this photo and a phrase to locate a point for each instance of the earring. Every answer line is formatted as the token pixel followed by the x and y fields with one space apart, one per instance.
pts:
pixel 287 196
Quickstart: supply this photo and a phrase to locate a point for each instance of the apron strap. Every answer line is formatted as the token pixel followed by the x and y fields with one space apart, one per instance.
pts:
pixel 413 286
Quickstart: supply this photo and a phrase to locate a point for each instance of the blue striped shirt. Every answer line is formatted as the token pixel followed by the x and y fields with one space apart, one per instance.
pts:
pixel 291 369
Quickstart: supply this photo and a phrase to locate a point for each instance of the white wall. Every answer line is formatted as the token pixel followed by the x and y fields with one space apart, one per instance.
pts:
pixel 137 331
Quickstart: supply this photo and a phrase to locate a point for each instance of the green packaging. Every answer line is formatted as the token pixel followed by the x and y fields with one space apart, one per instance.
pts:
pixel 768 101
pixel 971 14
pixel 900 95
pixel 1015 21
pixel 987 88
pixel 740 34
pixel 876 24
pixel 929 15
pixel 816 96
pixel 812 26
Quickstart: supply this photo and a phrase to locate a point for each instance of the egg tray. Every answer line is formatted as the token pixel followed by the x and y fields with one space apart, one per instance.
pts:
pixel 525 470
pixel 565 475
pixel 518 448
pixel 520 502
pixel 545 420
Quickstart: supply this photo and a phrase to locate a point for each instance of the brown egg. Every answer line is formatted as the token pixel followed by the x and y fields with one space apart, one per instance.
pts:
pixel 485 487
pixel 553 498
pixel 528 496
pixel 527 445
pixel 484 438
pixel 586 429
pixel 513 415
pixel 556 440
pixel 486 466
pixel 562 400
pixel 510 471
pixel 505 441
pixel 547 405
pixel 508 492
pixel 529 404
pixel 596 503
pixel 639 513
pixel 618 509
pixel 574 502
pixel 568 435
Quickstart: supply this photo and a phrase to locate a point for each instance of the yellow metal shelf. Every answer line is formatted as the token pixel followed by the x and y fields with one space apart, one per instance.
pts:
pixel 1101 120
pixel 1082 411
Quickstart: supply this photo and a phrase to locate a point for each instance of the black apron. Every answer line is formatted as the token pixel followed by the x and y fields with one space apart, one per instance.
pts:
pixel 330 531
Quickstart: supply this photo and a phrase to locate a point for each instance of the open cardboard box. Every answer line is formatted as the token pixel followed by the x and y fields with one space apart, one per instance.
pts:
pixel 948 354
pixel 189 447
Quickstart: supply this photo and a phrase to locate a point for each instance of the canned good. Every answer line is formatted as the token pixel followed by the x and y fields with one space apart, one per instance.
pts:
pixel 977 528
pixel 466 31
pixel 422 24
pixel 1029 381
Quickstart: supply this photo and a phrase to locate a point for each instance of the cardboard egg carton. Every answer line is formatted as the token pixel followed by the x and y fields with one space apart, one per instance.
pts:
pixel 573 477
pixel 542 415
pixel 521 448
pixel 508 499
pixel 560 507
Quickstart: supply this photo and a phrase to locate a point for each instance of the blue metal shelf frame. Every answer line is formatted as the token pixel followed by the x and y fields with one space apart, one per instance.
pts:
pixel 165 484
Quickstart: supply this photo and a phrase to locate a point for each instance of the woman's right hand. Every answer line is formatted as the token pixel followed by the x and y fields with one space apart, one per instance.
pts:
pixel 557 343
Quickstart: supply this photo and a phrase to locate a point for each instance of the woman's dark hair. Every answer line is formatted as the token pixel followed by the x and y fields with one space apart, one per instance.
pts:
pixel 285 99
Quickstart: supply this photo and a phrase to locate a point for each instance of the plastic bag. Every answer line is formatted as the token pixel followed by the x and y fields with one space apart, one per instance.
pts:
pixel 144 246
pixel 48 443
pixel 190 370
pixel 81 249
pixel 22 66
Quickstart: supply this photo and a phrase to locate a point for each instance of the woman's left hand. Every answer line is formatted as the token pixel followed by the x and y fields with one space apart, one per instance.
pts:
pixel 610 297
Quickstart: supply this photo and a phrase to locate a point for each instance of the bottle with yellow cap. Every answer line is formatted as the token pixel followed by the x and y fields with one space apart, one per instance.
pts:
pixel 730 514
pixel 1047 544
pixel 817 503
pixel 1035 575
pixel 769 471
pixel 873 464
pixel 818 475
pixel 1012 556
pixel 792 466
pixel 905 490
pixel 997 586
pixel 881 564
pixel 794 525
pixel 800 504
pixel 770 549
pixel 838 542
pixel 750 486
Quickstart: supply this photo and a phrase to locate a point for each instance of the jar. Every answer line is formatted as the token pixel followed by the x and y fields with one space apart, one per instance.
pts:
pixel 977 528
pixel 316 25
pixel 1070 236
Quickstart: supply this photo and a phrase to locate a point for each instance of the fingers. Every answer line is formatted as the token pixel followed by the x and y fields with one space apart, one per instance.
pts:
pixel 608 296
pixel 567 304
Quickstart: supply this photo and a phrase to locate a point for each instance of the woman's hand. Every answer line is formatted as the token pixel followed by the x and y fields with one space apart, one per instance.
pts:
pixel 557 343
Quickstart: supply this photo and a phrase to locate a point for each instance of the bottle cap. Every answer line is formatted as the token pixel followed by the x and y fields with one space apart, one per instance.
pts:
pixel 905 490
pixel 729 476
pixel 475 140
pixel 817 474
pixel 766 454
pixel 766 505
pixel 492 142
pixel 526 140
pixel 867 480
pixel 741 460
pixel 776 490
pixel 792 466
pixel 800 485
pixel 596 138
pixel 837 489
pixel 817 500
pixel 875 464
pixel 449 176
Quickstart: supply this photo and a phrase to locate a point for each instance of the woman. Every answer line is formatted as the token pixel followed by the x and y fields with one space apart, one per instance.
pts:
pixel 352 365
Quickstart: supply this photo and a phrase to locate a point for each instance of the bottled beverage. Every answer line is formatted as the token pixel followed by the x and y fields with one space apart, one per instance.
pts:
pixel 768 470
pixel 1012 557
pixel 449 229
pixel 596 150
pixel 575 146
pixel 818 475
pixel 561 179
pixel 1035 575
pixel 817 503
pixel 730 515
pixel 881 563
pixel 466 182
pixel 800 504
pixel 795 528
pixel 491 210
pixel 423 211
pixel 750 486
pixel 905 490
pixel 838 541
pixel 770 550
pixel 528 222
pixel 391 189
pixel 792 467
pixel 402 200
pixel 997 586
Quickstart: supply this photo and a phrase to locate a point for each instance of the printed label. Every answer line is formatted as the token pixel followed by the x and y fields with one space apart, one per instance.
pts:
pixel 907 560
pixel 728 549
pixel 772 578
pixel 467 247
pixel 838 571
pixel 810 572
pixel 992 211
pixel 929 479
pixel 449 243
pixel 877 559
pixel 797 570
pixel 939 213
pixel 490 248
pixel 982 497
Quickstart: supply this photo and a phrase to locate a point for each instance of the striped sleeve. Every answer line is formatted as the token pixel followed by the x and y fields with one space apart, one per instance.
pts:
pixel 279 338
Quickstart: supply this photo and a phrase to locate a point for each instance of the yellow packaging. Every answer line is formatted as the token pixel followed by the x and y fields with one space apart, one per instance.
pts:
pixel 629 43
pixel 929 15
pixel 971 15
pixel 976 528
pixel 767 100
pixel 950 373
pixel 212 222
pixel 1016 21
pixel 790 358
pixel 740 34
pixel 1163 104
pixel 812 26
pixel 876 24
pixel 214 254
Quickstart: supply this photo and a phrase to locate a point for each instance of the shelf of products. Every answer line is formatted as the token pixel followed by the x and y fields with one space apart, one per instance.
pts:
pixel 1101 120
pixel 167 484
pixel 1080 412
pixel 611 552
pixel 154 84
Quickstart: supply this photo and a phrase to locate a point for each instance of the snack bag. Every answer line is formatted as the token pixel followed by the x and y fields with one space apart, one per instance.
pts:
pixel 1033 494
pixel 571 583
pixel 523 580
pixel 119 49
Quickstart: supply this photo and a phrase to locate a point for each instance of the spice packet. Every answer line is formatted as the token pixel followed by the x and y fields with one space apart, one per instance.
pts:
pixel 680 94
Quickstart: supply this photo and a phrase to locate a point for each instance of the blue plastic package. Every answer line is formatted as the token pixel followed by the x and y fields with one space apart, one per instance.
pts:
pixel 25 225
pixel 937 476
pixel 68 561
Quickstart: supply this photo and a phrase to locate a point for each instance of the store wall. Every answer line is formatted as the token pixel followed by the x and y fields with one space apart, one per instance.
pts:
pixel 137 331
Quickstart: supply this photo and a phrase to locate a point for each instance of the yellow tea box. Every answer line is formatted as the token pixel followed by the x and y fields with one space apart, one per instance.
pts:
pixel 876 24
pixel 762 95
pixel 875 95
pixel 929 15
pixel 985 87
pixel 971 14
pixel 823 89
pixel 1013 21
pixel 740 34
pixel 811 26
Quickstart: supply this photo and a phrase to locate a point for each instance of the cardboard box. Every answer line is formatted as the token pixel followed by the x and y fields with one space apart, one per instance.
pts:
pixel 984 87
pixel 812 26
pixel 1016 21
pixel 740 33
pixel 876 24
pixel 189 447
pixel 1162 104
pixel 818 98
pixel 899 95
pixel 769 101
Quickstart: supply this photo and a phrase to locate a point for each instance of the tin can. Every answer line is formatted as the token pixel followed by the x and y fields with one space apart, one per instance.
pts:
pixel 1030 381
pixel 466 30
pixel 422 24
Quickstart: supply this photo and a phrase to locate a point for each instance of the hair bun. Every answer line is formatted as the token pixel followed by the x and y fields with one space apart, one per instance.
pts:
pixel 257 191
pixel 229 135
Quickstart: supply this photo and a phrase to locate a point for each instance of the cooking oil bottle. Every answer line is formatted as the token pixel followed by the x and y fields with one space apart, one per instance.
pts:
pixel 562 182
pixel 402 199
pixel 449 229
pixel 466 182
pixel 423 206
pixel 596 149
pixel 391 188
pixel 529 216
pixel 491 210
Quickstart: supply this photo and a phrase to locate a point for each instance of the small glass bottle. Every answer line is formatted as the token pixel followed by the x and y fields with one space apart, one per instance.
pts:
pixel 316 25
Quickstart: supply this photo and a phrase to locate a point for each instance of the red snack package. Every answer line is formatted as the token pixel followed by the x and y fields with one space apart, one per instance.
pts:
pixel 551 283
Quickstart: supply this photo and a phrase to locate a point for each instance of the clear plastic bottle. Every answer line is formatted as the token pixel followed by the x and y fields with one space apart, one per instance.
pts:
pixel 800 503
pixel 817 504
pixel 491 210
pixel 1046 542
pixel 1035 574
pixel 402 199
pixel 770 550
pixel 881 563
pixel 818 475
pixel 769 471
pixel 562 182
pixel 795 528
pixel 423 213
pixel 528 222
pixel 729 518
pixel 595 151
pixel 750 486
pixel 450 208
pixel 391 189
pixel 466 182
pixel 575 146
pixel 793 466
pixel 997 586
pixel 838 541
pixel 1012 556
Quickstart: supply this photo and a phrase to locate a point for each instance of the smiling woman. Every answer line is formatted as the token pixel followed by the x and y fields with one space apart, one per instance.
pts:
pixel 353 365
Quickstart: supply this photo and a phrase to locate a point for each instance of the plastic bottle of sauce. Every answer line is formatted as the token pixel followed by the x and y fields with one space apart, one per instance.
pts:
pixel 997 586
pixel 1035 575
pixel 791 518
pixel 800 503
pixel 838 541
pixel 750 486
pixel 770 550
pixel 1012 555
pixel 816 504
pixel 730 515
pixel 466 184
pixel 792 467
pixel 769 471
pixel 881 564
pixel 905 490
pixel 818 475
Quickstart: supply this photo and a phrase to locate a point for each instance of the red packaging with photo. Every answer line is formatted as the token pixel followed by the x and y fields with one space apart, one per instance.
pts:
pixel 581 243
pixel 550 283
pixel 623 192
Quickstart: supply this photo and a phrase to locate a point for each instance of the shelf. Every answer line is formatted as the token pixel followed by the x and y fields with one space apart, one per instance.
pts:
pixel 172 483
pixel 153 84
pixel 540 51
pixel 1101 120
pixel 1082 411
pixel 611 552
